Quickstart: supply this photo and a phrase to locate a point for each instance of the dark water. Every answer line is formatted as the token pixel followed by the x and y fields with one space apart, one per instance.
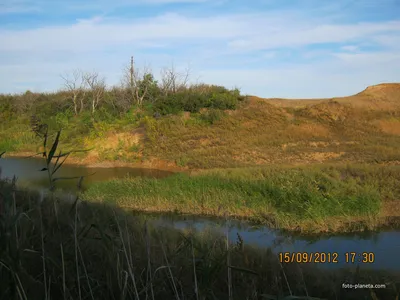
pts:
pixel 385 245
pixel 27 170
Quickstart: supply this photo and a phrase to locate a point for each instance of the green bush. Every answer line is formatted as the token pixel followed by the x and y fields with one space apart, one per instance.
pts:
pixel 104 115
pixel 8 144
pixel 117 110
pixel 57 108
pixel 212 115
pixel 224 100
pixel 7 110
pixel 170 104
pixel 195 98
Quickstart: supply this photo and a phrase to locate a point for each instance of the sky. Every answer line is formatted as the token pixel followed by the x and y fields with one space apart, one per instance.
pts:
pixel 268 48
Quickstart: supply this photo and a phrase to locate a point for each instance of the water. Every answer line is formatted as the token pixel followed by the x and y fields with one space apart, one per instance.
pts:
pixel 385 245
pixel 27 170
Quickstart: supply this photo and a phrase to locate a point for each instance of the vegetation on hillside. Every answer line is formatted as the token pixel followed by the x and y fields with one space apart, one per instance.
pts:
pixel 201 126
pixel 260 133
pixel 87 110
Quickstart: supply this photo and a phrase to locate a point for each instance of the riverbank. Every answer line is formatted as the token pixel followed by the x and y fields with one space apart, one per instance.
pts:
pixel 98 251
pixel 318 198
pixel 90 162
pixel 314 199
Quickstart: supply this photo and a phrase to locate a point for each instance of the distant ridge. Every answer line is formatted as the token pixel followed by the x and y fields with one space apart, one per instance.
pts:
pixel 384 96
pixel 383 88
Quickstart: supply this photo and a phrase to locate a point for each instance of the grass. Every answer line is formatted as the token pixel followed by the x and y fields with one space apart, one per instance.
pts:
pixel 16 136
pixel 312 198
pixel 258 132
pixel 257 139
pixel 64 250
pixel 60 249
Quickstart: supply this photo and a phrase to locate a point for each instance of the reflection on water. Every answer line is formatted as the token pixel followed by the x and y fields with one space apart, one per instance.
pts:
pixel 385 244
pixel 27 170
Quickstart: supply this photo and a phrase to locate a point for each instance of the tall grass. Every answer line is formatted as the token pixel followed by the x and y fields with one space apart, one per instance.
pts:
pixel 52 249
pixel 97 251
pixel 288 197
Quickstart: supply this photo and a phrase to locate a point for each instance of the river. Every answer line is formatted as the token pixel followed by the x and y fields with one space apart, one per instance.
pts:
pixel 384 245
pixel 27 170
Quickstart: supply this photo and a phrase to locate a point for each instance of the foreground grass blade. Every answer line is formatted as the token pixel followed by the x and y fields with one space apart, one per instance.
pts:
pixel 54 147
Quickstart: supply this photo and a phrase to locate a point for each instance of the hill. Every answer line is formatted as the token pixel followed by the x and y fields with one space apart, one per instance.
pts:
pixel 295 161
pixel 362 128
pixel 384 96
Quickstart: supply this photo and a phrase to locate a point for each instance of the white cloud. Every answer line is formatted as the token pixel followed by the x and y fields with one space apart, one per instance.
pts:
pixel 244 32
pixel 210 42
pixel 90 34
pixel 291 35
pixel 328 79
pixel 364 59
pixel 388 40
pixel 269 54
pixel 350 48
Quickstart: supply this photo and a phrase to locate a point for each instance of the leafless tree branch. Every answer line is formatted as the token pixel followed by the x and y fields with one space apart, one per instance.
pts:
pixel 97 87
pixel 172 80
pixel 75 83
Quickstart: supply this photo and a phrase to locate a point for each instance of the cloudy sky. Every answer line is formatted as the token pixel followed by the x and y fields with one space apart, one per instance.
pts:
pixel 269 48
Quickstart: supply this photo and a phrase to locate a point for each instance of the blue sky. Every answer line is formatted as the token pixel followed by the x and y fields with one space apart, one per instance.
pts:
pixel 268 48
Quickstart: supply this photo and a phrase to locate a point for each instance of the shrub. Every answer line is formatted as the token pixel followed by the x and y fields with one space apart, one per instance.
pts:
pixel 151 128
pixel 102 114
pixel 7 110
pixel 197 97
pixel 212 115
pixel 170 104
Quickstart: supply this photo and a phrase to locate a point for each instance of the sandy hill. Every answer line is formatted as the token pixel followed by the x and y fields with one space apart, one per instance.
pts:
pixel 384 96
pixel 363 128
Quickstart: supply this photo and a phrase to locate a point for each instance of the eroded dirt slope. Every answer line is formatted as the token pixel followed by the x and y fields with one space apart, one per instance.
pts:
pixel 361 128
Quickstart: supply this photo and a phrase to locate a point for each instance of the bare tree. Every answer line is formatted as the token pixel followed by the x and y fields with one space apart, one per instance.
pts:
pixel 135 81
pixel 172 80
pixel 97 87
pixel 76 84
